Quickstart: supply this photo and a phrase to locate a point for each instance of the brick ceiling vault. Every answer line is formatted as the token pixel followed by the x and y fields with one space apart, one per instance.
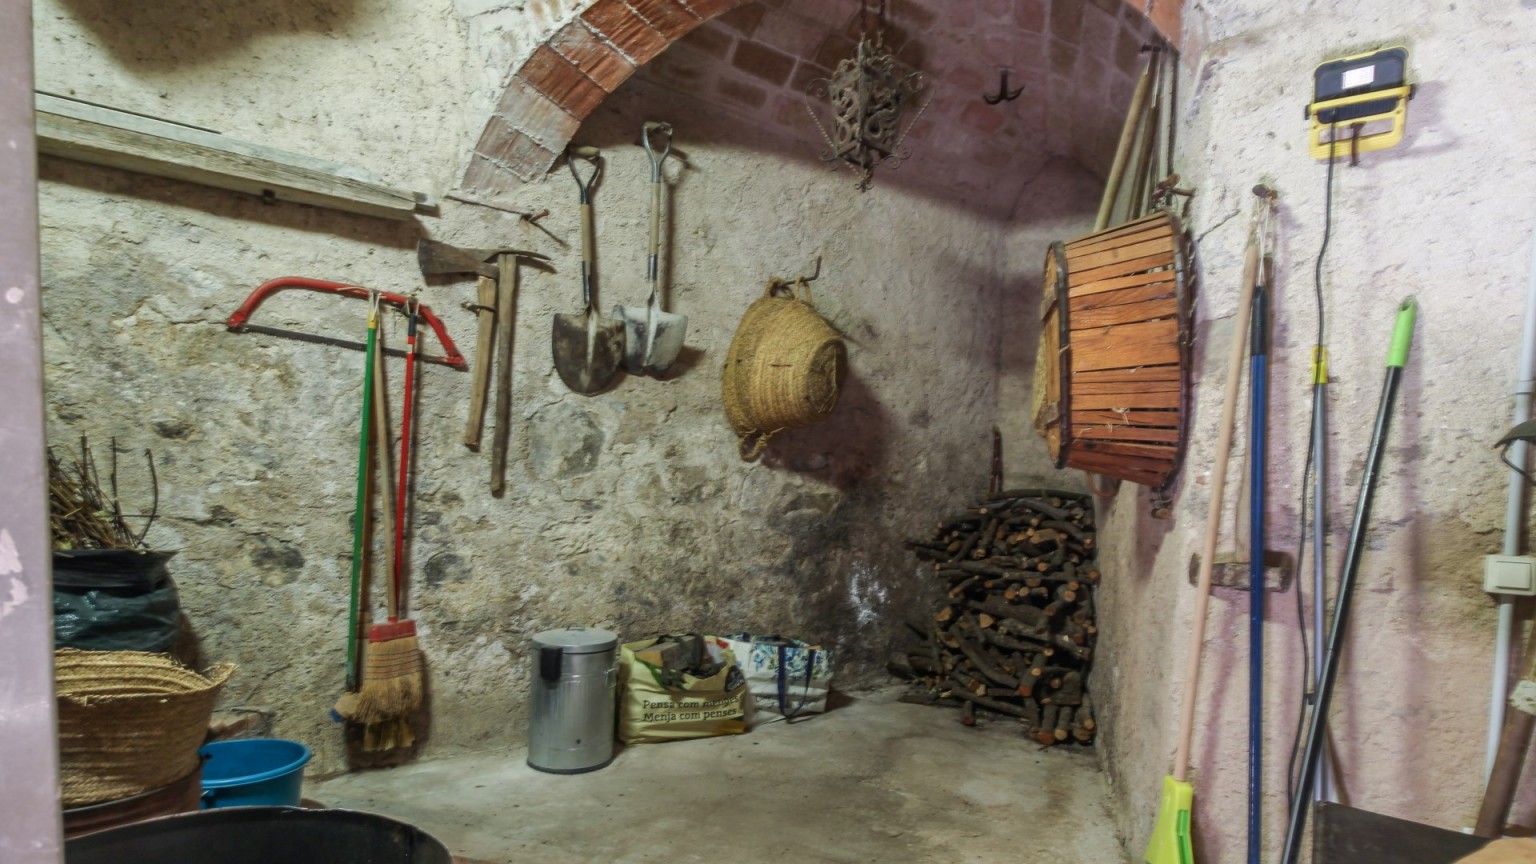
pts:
pixel 566 78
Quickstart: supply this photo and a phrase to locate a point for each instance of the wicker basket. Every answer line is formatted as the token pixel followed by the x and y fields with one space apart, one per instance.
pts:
pixel 129 721
pixel 784 368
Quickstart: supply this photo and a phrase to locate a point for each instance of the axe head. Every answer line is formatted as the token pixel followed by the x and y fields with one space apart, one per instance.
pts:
pixel 437 257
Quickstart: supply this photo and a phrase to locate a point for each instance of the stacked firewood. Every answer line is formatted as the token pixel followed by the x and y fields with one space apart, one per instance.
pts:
pixel 1014 633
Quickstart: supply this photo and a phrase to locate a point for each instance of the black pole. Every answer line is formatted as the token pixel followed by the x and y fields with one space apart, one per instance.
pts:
pixel 1402 335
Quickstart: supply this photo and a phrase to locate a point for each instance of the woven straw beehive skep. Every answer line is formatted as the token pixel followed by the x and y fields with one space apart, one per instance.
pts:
pixel 784 368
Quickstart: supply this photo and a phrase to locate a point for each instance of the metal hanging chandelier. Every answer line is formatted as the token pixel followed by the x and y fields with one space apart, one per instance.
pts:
pixel 867 94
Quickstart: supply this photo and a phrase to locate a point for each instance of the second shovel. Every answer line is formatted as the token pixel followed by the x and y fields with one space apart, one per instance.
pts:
pixel 652 338
pixel 587 347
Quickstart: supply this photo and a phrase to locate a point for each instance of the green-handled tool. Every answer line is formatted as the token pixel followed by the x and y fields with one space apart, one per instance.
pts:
pixel 1397 358
pixel 360 513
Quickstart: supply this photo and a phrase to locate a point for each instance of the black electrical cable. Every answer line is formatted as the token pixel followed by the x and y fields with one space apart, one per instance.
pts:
pixel 1306 475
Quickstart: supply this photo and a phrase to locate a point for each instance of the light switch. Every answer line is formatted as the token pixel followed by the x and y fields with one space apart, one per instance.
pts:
pixel 1509 574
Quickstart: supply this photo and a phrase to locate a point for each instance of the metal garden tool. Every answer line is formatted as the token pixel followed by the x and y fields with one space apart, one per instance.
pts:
pixel 496 307
pixel 1317 728
pixel 652 338
pixel 240 320
pixel 436 258
pixel 587 347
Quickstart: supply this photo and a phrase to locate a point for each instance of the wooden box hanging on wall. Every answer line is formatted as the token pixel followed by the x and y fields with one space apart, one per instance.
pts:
pixel 1112 376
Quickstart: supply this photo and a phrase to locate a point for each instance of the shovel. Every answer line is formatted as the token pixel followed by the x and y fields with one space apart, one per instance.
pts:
pixel 653 338
pixel 587 347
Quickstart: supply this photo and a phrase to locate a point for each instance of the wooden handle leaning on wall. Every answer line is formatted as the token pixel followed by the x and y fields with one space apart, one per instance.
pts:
pixel 1123 150
pixel 485 350
pixel 1235 366
pixel 1514 742
pixel 506 313
pixel 383 439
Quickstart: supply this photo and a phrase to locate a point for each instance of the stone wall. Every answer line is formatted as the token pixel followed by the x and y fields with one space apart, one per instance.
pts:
pixel 628 510
pixel 1439 217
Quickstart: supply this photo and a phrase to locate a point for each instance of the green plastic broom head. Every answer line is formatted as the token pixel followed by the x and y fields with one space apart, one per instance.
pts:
pixel 1170 839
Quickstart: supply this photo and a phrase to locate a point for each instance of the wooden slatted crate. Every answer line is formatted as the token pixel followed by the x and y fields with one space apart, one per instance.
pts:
pixel 1112 376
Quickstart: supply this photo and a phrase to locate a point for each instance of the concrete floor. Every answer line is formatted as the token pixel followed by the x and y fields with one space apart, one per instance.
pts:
pixel 872 780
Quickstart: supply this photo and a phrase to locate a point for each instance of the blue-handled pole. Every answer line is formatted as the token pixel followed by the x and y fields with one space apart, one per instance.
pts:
pixel 1258 372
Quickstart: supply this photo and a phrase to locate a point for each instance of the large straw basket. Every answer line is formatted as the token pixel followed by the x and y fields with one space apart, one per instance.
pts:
pixel 1112 376
pixel 784 368
pixel 129 721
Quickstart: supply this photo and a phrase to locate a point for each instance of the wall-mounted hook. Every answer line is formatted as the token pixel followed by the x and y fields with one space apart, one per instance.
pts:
pixel 1003 93
pixel 814 275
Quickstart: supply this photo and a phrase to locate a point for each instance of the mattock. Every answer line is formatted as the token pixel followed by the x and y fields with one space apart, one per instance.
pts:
pixel 496 268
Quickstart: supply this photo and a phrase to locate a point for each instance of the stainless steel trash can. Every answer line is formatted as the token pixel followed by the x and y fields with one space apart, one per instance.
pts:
pixel 572 706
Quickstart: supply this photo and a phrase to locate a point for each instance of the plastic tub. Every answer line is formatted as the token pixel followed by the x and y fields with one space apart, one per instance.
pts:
pixel 253 772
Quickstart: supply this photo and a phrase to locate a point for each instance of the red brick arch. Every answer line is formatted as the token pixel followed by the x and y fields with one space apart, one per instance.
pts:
pixel 567 77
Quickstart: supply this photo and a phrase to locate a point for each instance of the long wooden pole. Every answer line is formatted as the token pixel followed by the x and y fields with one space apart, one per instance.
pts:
pixel 1137 199
pixel 1213 513
pixel 1504 780
pixel 1123 150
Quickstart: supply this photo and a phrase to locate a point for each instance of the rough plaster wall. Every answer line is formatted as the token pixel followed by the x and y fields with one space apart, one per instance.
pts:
pixel 1439 218
pixel 365 82
pixel 628 510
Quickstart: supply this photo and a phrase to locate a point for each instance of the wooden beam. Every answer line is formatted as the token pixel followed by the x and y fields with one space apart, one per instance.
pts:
pixel 133 142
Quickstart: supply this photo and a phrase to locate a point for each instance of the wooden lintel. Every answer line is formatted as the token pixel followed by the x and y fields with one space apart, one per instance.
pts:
pixel 133 142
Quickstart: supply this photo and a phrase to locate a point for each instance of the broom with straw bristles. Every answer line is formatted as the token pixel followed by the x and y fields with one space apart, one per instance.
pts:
pixel 347 704
pixel 392 673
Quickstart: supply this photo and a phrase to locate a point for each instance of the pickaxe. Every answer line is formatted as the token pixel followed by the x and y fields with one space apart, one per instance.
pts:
pixel 497 271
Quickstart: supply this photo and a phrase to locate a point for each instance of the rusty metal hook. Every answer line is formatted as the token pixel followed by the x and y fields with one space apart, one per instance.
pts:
pixel 815 274
pixel 1003 93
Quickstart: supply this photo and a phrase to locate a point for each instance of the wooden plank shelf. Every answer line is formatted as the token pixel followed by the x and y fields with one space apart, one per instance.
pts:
pixel 133 142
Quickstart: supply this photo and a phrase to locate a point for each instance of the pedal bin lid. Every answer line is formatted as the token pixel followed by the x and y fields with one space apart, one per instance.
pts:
pixel 577 640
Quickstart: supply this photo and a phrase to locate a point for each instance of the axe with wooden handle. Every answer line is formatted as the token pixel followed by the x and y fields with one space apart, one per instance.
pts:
pixel 496 269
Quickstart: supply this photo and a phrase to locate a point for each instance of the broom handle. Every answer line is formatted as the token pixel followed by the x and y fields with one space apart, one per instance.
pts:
pixel 1213 513
pixel 360 513
pixel 398 571
pixel 1317 729
pixel 383 443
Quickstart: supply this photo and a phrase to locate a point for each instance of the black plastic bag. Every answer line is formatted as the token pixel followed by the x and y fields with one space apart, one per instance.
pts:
pixel 114 600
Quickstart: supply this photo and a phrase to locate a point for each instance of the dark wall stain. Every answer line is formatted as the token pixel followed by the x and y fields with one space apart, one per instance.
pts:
pixel 446 567
pixel 282 560
pixel 173 429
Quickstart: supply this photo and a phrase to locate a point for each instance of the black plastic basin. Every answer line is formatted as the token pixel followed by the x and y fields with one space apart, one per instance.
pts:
pixel 261 835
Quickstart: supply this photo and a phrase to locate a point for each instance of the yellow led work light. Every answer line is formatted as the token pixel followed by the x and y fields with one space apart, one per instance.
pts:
pixel 1352 92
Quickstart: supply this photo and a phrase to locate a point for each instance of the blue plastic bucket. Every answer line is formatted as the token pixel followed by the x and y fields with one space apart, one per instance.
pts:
pixel 253 772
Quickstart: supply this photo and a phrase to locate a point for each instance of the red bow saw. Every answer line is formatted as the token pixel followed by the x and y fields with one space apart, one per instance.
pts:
pixel 239 322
